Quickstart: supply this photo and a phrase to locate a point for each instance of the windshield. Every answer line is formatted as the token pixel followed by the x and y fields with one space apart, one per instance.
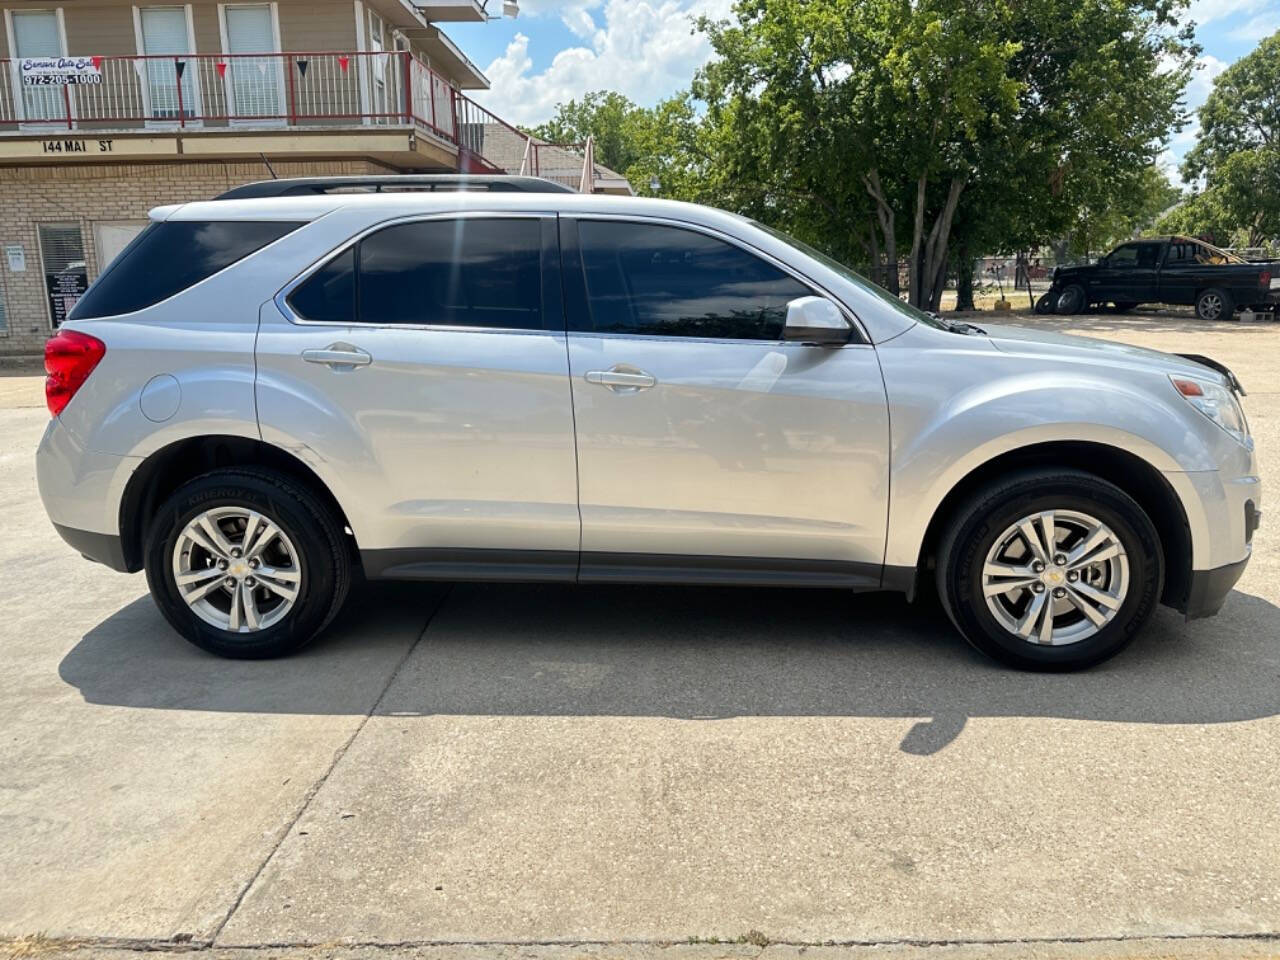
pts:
pixel 855 278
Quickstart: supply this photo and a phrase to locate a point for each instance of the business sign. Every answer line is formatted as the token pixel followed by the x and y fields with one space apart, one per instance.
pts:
pixel 59 71
pixel 65 288
pixel 16 254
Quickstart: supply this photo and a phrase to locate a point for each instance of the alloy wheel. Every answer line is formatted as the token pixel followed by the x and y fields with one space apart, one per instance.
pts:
pixel 236 569
pixel 1055 577
pixel 1211 306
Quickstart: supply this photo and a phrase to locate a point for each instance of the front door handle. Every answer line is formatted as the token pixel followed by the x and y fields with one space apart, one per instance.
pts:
pixel 618 379
pixel 338 355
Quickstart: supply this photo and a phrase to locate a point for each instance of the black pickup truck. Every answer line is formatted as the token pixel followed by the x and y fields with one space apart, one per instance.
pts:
pixel 1166 270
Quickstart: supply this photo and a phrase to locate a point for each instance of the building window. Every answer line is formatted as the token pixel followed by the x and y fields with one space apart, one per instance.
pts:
pixel 38 33
pixel 255 83
pixel 164 32
pixel 378 65
pixel 65 276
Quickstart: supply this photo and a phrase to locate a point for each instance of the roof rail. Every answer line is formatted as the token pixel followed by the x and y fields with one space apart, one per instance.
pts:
pixel 312 186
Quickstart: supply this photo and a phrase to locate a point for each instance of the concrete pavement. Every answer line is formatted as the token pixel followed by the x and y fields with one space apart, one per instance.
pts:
pixel 486 763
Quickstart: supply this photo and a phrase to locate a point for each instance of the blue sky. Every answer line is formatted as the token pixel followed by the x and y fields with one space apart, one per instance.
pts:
pixel 645 49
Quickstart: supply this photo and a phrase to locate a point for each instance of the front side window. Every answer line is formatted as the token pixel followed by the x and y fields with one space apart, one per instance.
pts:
pixel 469 272
pixel 1125 256
pixel 167 258
pixel 656 280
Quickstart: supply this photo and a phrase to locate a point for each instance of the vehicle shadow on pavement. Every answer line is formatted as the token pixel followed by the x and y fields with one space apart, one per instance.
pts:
pixel 682 652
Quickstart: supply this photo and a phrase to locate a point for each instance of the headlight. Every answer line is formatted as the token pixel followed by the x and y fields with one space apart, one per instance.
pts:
pixel 1217 402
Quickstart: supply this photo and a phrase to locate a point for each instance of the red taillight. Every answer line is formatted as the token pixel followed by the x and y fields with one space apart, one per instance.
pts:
pixel 69 358
pixel 1264 278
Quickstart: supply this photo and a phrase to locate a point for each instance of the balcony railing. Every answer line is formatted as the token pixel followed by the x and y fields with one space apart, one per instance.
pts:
pixel 193 92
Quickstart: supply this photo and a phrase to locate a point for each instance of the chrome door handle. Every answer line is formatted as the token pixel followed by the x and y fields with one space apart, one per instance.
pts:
pixel 616 379
pixel 338 355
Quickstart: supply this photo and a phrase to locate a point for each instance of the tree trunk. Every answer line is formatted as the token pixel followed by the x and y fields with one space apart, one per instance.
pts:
pixel 885 216
pixel 916 267
pixel 929 254
pixel 964 279
pixel 877 269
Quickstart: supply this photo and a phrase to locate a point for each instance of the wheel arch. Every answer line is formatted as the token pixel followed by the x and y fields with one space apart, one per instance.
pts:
pixel 1132 474
pixel 168 468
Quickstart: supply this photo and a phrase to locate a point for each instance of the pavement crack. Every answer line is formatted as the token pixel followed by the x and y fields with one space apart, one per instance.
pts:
pixel 212 940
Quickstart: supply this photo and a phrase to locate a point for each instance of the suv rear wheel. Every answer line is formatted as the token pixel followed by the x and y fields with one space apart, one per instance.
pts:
pixel 247 563
pixel 1050 570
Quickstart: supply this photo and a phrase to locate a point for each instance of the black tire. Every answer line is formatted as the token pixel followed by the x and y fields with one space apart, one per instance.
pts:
pixel 1072 300
pixel 309 524
pixel 1046 303
pixel 974 528
pixel 1214 304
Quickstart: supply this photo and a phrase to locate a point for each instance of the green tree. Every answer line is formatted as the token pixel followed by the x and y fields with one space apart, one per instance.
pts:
pixel 666 141
pixel 1237 154
pixel 882 125
pixel 612 119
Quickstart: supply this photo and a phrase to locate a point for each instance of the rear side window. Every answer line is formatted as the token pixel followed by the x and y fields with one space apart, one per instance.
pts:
pixel 329 294
pixel 167 258
pixel 655 280
pixel 470 272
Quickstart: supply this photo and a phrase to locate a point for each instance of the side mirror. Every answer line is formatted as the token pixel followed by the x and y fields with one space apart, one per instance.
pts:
pixel 816 320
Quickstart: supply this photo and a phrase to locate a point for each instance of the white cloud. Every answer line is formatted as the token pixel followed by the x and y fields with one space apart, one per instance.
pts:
pixel 1256 28
pixel 644 50
pixel 1206 11
pixel 1198 89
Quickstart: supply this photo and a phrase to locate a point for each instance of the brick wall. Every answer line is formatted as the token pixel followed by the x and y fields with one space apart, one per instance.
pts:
pixel 86 194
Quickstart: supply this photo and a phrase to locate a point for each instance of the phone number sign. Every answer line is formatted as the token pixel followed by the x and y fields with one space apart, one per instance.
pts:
pixel 59 71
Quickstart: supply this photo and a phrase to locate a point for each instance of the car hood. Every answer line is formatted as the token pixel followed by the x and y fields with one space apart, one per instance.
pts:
pixel 1010 339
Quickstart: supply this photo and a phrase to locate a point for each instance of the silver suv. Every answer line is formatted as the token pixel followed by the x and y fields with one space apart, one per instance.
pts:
pixel 272 392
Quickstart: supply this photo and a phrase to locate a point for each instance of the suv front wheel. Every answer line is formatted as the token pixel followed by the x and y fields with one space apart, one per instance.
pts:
pixel 1050 570
pixel 247 563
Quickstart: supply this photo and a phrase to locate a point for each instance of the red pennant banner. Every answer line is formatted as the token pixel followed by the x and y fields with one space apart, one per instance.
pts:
pixel 97 62
pixel 342 62
pixel 221 68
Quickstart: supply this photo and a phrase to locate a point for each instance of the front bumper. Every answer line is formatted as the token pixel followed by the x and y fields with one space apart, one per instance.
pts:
pixel 1209 589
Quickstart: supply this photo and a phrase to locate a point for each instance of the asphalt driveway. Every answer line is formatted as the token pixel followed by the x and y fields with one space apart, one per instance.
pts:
pixel 514 764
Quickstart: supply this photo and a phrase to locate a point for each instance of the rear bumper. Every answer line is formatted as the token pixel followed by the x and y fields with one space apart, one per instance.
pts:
pixel 1209 589
pixel 104 548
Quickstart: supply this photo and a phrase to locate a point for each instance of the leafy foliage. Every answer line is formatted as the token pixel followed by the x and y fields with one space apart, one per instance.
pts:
pixel 1237 154
pixel 875 129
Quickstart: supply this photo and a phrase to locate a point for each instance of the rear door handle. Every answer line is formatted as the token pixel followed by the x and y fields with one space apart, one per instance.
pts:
pixel 617 379
pixel 338 355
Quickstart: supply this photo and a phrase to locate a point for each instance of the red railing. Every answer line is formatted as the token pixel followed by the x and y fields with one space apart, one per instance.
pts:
pixel 301 89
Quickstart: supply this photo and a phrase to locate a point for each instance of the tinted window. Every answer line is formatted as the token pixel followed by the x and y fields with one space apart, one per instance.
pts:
pixel 657 280
pixel 471 272
pixel 1148 254
pixel 168 257
pixel 329 293
pixel 1125 256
